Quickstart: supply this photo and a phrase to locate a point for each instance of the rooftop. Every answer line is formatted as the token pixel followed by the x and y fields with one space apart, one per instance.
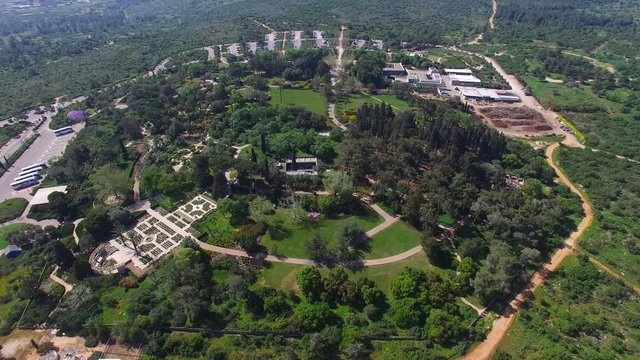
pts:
pixel 459 71
pixel 489 94
pixel 301 160
pixel 11 248
pixel 42 196
pixel 393 67
pixel 465 78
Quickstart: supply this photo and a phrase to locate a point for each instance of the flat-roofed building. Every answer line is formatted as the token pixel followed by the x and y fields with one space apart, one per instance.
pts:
pixel 424 79
pixel 430 79
pixel 394 69
pixel 488 95
pixel 458 71
pixel 465 80
pixel 300 166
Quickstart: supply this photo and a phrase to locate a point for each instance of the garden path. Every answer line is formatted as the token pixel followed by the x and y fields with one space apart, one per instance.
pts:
pixel 67 287
pixel 388 221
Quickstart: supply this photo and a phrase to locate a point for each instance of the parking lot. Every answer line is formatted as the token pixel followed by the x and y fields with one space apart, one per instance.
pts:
pixel 46 147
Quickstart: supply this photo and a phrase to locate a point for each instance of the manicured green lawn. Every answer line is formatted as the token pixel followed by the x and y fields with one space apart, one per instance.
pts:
pixel 392 100
pixel 6 230
pixel 12 208
pixel 282 276
pixel 290 238
pixel 309 99
pixel 446 220
pixel 353 102
pixel 114 315
pixel 394 240
pixel 382 275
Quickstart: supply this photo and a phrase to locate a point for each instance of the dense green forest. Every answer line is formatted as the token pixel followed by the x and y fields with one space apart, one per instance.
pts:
pixel 80 47
pixel 591 25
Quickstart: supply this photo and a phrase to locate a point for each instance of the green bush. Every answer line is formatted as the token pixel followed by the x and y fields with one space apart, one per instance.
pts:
pixel 91 341
pixel 12 208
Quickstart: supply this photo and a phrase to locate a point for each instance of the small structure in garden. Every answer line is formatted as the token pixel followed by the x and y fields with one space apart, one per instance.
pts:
pixel 12 251
pixel 514 181
pixel 40 200
pixel 300 166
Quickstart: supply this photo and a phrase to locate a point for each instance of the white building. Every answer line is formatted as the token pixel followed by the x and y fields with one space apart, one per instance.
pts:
pixel 301 166
pixel 458 71
pixel 488 95
pixel 465 80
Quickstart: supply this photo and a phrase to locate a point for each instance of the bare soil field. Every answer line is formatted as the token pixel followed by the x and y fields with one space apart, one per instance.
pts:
pixel 18 345
pixel 515 120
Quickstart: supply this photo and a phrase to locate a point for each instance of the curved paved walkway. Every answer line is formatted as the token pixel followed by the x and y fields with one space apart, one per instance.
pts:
pixel 67 287
pixel 487 348
pixel 26 220
pixel 389 220
pixel 76 238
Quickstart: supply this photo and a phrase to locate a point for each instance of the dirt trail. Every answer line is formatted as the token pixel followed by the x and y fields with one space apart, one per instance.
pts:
pixel 336 71
pixel 615 275
pixel 492 19
pixel 265 26
pixel 480 311
pixel 487 348
pixel 610 68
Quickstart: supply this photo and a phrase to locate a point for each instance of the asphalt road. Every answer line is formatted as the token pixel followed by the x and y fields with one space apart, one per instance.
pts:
pixel 46 147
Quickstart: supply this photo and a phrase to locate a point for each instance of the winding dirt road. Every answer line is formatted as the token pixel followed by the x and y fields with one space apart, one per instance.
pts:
pixel 487 348
pixel 336 71
pixel 492 19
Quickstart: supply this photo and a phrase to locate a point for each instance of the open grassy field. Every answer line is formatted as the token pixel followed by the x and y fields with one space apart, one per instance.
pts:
pixel 309 99
pixel 283 276
pixel 290 238
pixel 12 208
pixel 579 313
pixel 394 240
pixel 5 230
pixel 353 102
pixel 559 97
